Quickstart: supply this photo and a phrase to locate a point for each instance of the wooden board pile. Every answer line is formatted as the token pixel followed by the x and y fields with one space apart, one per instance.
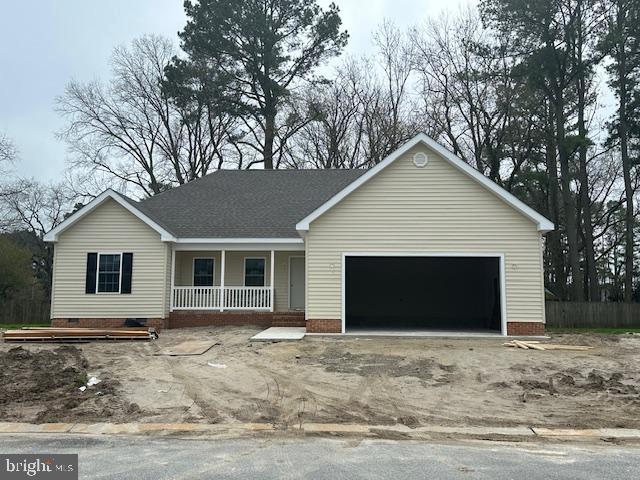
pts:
pixel 51 334
pixel 535 345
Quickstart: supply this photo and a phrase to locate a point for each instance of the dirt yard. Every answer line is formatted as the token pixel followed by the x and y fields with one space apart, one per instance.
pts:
pixel 326 379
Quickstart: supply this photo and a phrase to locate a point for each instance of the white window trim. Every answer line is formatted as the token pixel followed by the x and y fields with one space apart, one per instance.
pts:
pixel 193 271
pixel 98 292
pixel 244 271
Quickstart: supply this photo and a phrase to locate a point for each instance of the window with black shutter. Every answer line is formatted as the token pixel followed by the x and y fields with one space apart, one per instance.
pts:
pixel 127 267
pixel 109 273
pixel 90 281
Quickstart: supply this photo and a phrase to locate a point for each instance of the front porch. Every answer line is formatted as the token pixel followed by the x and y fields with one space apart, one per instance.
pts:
pixel 247 280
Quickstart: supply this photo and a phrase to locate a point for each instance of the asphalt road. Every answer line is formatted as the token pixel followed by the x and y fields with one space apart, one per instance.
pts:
pixel 143 458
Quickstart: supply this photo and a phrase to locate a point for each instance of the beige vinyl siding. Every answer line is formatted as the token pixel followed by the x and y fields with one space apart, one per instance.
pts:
pixel 435 209
pixel 110 228
pixel 234 266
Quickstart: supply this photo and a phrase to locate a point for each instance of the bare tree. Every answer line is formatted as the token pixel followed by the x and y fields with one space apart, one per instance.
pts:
pixel 333 138
pixel 131 130
pixel 389 108
pixel 8 153
pixel 468 90
pixel 365 112
pixel 36 208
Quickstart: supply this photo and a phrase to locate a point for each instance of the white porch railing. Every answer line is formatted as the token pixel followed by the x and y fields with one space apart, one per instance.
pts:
pixel 196 298
pixel 222 298
pixel 253 298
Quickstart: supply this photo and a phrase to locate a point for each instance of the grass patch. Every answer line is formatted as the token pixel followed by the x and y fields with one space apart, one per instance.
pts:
pixel 612 331
pixel 15 326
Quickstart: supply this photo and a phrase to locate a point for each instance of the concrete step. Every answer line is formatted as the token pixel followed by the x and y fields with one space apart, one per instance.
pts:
pixel 288 319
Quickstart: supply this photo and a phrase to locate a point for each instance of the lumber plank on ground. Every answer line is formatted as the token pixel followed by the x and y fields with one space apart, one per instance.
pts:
pixel 85 334
pixel 535 346
pixel 27 333
pixel 552 346
pixel 89 330
pixel 526 345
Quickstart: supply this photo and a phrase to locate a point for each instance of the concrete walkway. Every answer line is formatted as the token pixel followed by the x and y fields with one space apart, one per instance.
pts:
pixel 280 334
pixel 522 433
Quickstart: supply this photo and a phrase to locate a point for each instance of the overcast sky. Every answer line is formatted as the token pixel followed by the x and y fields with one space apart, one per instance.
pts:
pixel 46 43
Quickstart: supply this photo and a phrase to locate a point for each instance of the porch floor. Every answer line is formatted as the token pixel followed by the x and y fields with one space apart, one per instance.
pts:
pixel 280 334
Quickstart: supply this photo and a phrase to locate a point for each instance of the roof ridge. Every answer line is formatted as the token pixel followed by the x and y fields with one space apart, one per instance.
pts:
pixel 228 170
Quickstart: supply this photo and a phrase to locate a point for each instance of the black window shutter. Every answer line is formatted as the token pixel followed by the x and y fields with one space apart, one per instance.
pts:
pixel 92 264
pixel 127 264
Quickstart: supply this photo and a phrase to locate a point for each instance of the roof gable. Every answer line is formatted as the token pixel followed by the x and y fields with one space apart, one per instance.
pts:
pixel 542 223
pixel 127 203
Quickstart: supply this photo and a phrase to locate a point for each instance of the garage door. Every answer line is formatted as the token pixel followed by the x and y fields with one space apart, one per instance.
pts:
pixel 439 293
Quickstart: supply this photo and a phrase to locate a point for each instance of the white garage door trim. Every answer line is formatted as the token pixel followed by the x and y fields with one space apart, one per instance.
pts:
pixel 499 256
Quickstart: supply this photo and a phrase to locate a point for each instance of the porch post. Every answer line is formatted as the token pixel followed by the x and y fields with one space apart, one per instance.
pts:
pixel 273 256
pixel 222 273
pixel 173 276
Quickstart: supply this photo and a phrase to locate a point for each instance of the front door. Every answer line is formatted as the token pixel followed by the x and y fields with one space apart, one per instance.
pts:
pixel 296 283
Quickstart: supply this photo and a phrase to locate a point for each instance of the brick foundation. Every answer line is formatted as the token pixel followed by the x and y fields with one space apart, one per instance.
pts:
pixel 525 328
pixel 324 326
pixel 188 318
pixel 193 318
pixel 157 323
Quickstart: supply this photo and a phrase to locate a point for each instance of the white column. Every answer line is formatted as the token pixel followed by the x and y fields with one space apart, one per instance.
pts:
pixel 222 273
pixel 273 262
pixel 173 275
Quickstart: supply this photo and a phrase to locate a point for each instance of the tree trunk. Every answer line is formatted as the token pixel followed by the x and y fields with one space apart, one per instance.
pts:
pixel 269 135
pixel 568 205
pixel 554 238
pixel 587 226
pixel 593 289
pixel 623 131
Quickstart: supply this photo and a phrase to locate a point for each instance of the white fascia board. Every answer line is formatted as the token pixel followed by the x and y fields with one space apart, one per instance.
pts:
pixel 239 244
pixel 248 247
pixel 52 236
pixel 240 240
pixel 543 224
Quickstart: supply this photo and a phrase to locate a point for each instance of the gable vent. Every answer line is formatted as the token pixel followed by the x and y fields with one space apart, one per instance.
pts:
pixel 420 159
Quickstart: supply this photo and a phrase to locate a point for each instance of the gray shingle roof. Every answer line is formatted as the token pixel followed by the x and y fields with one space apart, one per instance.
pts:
pixel 245 203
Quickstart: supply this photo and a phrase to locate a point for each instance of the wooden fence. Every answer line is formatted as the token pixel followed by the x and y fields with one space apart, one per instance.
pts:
pixel 25 311
pixel 592 315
